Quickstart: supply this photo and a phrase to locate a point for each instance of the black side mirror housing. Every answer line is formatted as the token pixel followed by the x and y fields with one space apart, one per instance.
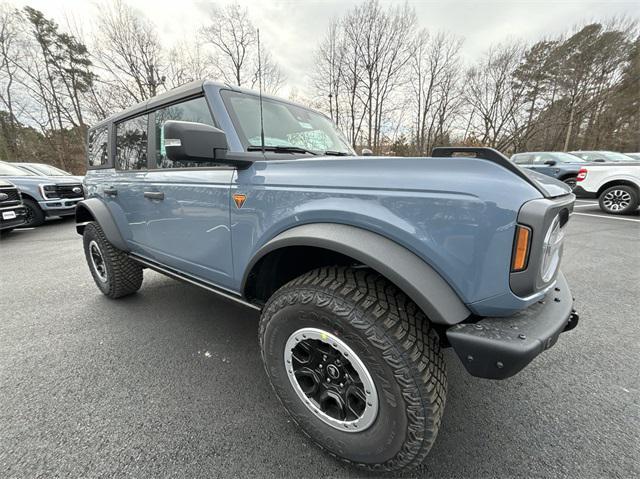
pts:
pixel 186 141
pixel 599 160
pixel 550 162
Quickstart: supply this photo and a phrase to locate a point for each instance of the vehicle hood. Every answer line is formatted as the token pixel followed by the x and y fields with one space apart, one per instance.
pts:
pixel 41 180
pixel 549 186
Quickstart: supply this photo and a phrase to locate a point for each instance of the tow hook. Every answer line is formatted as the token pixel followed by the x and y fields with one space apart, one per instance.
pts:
pixel 573 321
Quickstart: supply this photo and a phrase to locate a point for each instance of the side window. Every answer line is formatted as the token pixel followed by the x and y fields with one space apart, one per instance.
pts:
pixel 131 144
pixel 522 159
pixel 539 159
pixel 98 152
pixel 195 110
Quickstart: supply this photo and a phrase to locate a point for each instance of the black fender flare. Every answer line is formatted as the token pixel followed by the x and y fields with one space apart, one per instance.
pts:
pixel 94 209
pixel 417 279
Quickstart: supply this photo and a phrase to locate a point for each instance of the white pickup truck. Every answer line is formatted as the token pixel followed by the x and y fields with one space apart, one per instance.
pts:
pixel 616 186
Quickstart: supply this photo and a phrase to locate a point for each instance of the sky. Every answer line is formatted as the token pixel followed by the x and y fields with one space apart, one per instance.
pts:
pixel 291 29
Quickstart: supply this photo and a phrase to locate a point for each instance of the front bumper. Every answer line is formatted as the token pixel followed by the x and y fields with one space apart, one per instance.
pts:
pixel 20 218
pixel 498 348
pixel 60 207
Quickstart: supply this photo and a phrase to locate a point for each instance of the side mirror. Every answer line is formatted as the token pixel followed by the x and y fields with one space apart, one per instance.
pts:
pixel 599 160
pixel 550 162
pixel 366 152
pixel 186 141
pixel 193 142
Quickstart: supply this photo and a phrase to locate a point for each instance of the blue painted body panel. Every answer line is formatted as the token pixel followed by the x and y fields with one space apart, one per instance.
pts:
pixel 457 214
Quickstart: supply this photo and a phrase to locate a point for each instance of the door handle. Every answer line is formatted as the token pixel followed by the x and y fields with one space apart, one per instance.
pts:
pixel 154 195
pixel 110 191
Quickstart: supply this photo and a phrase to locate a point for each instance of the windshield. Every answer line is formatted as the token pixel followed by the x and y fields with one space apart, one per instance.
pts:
pixel 9 170
pixel 602 155
pixel 567 158
pixel 285 125
pixel 48 170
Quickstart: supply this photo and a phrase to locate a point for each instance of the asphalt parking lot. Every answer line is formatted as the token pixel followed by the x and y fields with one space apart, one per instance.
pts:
pixel 169 383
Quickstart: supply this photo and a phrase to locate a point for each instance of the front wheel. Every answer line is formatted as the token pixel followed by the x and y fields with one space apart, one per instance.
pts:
pixel 357 366
pixel 34 216
pixel 619 200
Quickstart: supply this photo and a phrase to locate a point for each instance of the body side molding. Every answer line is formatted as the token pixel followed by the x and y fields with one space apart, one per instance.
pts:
pixel 402 267
pixel 95 209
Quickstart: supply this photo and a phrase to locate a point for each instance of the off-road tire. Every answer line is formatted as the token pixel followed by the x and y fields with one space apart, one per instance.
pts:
pixel 632 204
pixel 124 276
pixel 394 340
pixel 34 214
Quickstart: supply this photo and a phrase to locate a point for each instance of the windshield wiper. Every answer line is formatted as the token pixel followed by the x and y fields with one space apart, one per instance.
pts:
pixel 281 149
pixel 336 153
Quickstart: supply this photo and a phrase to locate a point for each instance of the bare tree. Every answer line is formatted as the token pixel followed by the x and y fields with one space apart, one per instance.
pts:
pixel 434 87
pixel 9 55
pixel 128 51
pixel 495 99
pixel 188 62
pixel 235 43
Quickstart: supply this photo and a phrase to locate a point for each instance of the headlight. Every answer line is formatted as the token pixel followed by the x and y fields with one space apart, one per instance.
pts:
pixel 551 250
pixel 49 192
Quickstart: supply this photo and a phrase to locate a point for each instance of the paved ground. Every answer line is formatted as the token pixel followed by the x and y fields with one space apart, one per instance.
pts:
pixel 168 383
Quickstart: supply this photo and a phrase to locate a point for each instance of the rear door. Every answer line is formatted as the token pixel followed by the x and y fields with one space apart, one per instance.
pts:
pixel 123 188
pixel 187 205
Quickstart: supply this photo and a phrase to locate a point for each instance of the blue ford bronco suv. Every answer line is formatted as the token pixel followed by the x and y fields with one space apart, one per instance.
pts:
pixel 363 268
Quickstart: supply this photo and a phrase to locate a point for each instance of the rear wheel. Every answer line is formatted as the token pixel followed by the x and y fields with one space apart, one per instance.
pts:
pixel 357 366
pixel 34 216
pixel 619 200
pixel 113 271
pixel 571 181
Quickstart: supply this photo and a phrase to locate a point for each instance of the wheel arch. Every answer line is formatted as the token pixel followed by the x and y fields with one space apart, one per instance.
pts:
pixel 617 182
pixel 310 246
pixel 94 209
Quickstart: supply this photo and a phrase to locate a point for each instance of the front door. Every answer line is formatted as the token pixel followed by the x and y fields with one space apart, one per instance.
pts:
pixel 187 205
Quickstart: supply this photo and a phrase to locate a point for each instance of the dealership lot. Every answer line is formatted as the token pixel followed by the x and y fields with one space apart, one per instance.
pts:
pixel 169 383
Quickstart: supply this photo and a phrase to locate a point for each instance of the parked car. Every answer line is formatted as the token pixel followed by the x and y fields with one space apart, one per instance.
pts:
pixel 43 196
pixel 600 156
pixel 635 156
pixel 12 211
pixel 617 187
pixel 363 268
pixel 559 165
pixel 42 169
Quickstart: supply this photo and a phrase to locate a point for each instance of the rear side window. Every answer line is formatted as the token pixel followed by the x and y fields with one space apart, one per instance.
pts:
pixel 98 154
pixel 522 159
pixel 131 144
pixel 195 110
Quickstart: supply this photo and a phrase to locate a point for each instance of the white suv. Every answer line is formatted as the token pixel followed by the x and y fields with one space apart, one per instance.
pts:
pixel 616 186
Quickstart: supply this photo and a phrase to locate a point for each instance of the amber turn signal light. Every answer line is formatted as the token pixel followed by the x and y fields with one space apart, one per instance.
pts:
pixel 521 252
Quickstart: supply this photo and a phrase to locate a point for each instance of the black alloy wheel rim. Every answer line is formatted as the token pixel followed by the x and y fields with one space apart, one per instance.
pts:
pixel 331 380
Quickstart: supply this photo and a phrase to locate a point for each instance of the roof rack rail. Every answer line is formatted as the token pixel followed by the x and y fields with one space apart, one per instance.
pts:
pixel 485 153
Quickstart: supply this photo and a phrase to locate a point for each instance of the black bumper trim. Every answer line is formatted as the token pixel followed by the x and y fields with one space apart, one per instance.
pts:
pixel 580 192
pixel 498 348
pixel 19 220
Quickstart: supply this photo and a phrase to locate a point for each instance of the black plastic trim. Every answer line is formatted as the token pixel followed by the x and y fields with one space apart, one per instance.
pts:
pixel 580 192
pixel 537 214
pixel 498 348
pixel 101 214
pixel 489 154
pixel 407 271
pixel 187 278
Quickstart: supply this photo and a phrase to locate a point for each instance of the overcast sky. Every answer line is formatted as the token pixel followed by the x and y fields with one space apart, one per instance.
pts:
pixel 291 29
